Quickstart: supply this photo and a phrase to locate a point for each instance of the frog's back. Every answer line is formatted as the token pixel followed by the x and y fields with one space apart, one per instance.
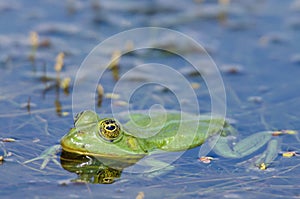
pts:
pixel 172 131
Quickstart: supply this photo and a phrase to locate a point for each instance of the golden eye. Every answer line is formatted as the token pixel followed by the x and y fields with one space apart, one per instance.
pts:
pixel 109 130
pixel 108 175
pixel 107 180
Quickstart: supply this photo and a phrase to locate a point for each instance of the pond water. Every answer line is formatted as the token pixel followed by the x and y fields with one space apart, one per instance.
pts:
pixel 255 45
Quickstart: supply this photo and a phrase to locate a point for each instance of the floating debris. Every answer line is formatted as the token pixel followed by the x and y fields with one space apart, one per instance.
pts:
pixel 120 103
pixel 172 45
pixel 272 38
pixel 290 154
pixel 8 140
pixel 100 91
pixel 36 140
pixel 28 105
pixel 65 113
pixel 114 64
pixel 112 96
pixel 206 159
pixel 57 28
pixel 190 71
pixel 262 166
pixel 140 195
pixel 195 85
pixel 284 132
pixel 65 84
pixel 34 41
pixel 58 108
pixel 45 43
pixel 64 182
pixel 255 99
pixel 231 68
pixel 115 59
pixel 59 62
pixel 129 46
pixel 194 73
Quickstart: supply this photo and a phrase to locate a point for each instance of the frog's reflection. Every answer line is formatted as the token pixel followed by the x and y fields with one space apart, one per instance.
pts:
pixel 92 169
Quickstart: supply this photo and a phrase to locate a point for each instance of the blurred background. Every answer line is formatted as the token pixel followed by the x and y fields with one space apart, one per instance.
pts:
pixel 254 43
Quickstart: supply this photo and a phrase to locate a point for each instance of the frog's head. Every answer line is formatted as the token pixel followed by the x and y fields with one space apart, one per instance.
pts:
pixel 99 137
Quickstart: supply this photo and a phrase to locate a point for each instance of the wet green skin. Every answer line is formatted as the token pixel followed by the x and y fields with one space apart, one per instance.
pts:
pixel 136 142
pixel 114 143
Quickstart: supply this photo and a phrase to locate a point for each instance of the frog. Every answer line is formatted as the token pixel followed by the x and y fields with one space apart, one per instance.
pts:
pixel 115 143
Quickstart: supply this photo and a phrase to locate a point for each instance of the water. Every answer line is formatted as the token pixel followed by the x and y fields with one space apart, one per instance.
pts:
pixel 254 43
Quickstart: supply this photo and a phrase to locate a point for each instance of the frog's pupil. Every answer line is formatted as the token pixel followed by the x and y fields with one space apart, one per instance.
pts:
pixel 110 127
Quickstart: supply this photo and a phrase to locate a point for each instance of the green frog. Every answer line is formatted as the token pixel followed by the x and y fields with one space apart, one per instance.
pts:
pixel 119 145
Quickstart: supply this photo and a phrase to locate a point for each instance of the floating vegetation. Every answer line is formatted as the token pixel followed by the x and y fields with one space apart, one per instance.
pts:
pixel 206 159
pixel 231 68
pixel 262 166
pixel 65 84
pixel 114 64
pixel 284 132
pixel 59 109
pixel 57 28
pixel 34 41
pixel 8 139
pixel 28 105
pixel 5 152
pixel 140 195
pixel 112 95
pixel 195 85
pixel 100 92
pixel 129 45
pixel 59 62
pixel 272 38
pixel 120 103
pixel 290 154
pixel 101 95
pixel 255 99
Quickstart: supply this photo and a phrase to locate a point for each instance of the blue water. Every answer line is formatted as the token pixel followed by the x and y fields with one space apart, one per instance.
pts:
pixel 260 37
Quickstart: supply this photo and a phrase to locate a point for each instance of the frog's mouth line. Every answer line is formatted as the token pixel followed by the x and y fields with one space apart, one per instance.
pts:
pixel 122 157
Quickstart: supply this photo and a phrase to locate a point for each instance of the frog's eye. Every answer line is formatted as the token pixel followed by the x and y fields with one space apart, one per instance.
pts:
pixel 110 130
pixel 108 176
